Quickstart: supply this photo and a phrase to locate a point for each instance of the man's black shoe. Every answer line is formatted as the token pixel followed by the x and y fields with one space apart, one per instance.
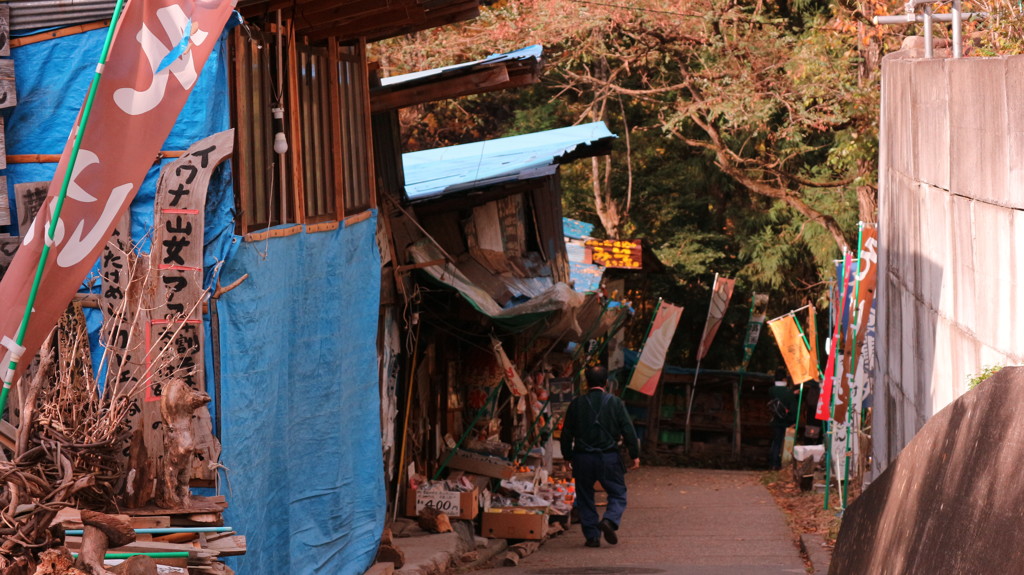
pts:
pixel 595 542
pixel 608 529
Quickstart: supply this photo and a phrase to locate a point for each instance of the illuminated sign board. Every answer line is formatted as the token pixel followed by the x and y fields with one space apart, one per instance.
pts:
pixel 623 254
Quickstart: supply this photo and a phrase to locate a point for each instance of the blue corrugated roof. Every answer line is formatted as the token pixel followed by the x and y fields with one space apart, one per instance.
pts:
pixel 432 173
pixel 586 277
pixel 576 229
pixel 534 51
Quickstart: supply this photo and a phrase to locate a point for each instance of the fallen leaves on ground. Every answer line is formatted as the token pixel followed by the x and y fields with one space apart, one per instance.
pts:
pixel 805 510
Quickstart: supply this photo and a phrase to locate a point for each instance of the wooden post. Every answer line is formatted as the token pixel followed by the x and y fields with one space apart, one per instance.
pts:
pixel 736 446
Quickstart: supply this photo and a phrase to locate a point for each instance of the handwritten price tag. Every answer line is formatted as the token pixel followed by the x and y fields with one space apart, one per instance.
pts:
pixel 446 502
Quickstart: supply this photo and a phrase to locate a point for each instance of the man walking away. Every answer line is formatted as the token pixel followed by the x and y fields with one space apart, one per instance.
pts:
pixel 594 422
pixel 782 407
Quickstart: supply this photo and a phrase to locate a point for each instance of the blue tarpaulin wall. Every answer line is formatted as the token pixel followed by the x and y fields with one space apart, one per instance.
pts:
pixel 52 78
pixel 300 401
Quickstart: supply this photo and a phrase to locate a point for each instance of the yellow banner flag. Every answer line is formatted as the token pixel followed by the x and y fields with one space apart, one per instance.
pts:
pixel 794 351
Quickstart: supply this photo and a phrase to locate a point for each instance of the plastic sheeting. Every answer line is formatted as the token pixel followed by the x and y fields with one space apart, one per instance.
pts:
pixel 557 298
pixel 300 402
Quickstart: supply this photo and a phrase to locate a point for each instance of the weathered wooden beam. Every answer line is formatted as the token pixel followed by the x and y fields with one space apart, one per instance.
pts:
pixel 474 83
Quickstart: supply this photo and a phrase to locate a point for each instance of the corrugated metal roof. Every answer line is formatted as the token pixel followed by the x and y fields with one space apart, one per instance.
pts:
pixel 576 229
pixel 32 14
pixel 527 53
pixel 317 19
pixel 433 173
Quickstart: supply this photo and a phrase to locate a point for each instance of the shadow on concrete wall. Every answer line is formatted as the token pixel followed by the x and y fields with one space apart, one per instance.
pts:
pixel 951 501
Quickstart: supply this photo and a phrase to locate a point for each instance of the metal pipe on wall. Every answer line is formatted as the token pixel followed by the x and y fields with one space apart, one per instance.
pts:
pixel 912 18
pixel 958 49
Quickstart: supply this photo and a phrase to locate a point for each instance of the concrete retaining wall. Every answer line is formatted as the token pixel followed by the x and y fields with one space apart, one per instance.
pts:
pixel 951 227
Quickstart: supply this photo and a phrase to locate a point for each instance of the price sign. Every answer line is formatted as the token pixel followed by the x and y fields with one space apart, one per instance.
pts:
pixel 446 502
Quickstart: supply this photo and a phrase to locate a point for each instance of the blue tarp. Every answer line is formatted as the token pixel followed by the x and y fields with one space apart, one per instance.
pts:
pixel 52 79
pixel 301 404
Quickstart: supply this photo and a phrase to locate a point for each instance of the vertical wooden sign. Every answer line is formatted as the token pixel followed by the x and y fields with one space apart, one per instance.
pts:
pixel 176 327
pixel 3 147
pixel 5 30
pixel 28 198
pixel 8 247
pixel 5 208
pixel 8 93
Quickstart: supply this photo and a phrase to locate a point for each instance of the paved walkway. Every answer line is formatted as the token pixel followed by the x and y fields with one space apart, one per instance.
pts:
pixel 681 522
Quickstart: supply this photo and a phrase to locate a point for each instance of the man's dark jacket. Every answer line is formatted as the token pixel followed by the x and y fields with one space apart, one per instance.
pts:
pixel 580 433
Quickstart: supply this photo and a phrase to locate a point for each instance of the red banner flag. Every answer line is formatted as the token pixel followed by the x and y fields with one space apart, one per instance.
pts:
pixel 647 372
pixel 159 47
pixel 721 293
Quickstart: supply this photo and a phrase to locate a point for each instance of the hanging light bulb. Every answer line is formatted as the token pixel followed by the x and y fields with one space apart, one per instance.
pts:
pixel 280 141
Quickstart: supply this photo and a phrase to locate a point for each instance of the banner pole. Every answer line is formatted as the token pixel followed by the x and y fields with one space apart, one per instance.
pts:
pixel 17 349
pixel 837 320
pixel 700 346
pixel 854 318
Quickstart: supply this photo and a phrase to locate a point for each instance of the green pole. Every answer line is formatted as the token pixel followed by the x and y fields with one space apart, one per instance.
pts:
pixel 68 170
pixel 154 554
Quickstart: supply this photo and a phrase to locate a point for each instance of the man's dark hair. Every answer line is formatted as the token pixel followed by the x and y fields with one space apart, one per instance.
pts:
pixel 596 375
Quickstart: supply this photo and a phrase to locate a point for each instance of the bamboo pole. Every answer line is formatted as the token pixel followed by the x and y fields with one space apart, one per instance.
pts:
pixel 853 366
pixel 696 373
pixel 838 322
pixel 405 423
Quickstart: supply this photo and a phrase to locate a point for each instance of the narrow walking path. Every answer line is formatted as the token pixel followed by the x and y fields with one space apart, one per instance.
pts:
pixel 681 522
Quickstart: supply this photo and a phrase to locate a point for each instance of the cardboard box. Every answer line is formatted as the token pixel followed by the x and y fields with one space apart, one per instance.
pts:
pixel 514 523
pixel 455 504
pixel 481 464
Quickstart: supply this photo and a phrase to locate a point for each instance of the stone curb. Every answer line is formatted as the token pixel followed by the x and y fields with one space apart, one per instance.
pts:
pixel 813 544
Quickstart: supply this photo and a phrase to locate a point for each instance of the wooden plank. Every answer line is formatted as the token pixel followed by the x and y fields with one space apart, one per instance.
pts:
pixel 54 158
pixel 228 546
pixel 321 227
pixel 28 198
pixel 151 522
pixel 8 247
pixel 295 136
pixel 486 80
pixel 54 34
pixel 274 233
pixel 242 121
pixel 5 208
pixel 334 83
pixel 367 132
pixel 177 252
pixel 5 30
pixel 8 93
pixel 8 434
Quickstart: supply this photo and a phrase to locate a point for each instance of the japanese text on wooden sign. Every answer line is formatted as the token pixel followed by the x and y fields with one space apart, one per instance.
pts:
pixel 625 254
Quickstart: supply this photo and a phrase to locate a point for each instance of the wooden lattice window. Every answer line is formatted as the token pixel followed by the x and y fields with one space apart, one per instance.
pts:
pixel 326 173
